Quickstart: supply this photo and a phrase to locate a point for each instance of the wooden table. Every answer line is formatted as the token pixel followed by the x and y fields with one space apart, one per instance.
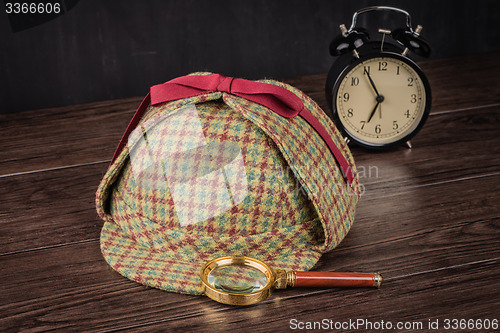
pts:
pixel 429 221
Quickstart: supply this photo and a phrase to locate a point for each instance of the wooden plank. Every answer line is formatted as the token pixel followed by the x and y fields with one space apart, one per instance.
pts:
pixel 59 137
pixel 450 146
pixel 57 207
pixel 74 287
pixel 89 133
pixel 70 286
pixel 463 82
pixel 49 208
pixel 414 301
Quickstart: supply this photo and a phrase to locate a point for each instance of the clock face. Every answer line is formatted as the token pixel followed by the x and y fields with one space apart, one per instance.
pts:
pixel 382 100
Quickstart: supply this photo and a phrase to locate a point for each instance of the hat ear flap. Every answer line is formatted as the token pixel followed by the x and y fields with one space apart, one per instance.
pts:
pixel 104 189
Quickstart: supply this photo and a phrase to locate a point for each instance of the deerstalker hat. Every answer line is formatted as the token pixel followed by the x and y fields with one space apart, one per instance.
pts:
pixel 212 166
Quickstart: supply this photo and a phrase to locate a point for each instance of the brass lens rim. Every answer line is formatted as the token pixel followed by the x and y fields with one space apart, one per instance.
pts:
pixel 232 298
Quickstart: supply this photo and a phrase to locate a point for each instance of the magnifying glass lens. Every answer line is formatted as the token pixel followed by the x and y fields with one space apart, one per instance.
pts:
pixel 237 279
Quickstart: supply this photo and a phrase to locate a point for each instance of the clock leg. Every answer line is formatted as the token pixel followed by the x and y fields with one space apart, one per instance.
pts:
pixel 408 145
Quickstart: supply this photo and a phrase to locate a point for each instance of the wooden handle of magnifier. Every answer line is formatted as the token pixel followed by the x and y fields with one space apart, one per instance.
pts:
pixel 337 279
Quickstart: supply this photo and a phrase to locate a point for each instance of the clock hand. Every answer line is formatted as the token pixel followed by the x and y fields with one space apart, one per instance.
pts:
pixel 373 84
pixel 373 112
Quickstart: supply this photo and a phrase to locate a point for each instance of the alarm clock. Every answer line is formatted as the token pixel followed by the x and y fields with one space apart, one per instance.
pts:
pixel 378 96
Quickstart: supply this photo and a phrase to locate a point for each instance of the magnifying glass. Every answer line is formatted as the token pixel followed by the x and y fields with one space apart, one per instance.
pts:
pixel 244 280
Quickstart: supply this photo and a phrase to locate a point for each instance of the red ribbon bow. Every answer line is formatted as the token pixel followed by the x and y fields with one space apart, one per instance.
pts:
pixel 278 99
pixel 282 101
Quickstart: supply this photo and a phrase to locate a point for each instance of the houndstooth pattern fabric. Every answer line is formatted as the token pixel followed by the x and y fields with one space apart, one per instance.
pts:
pixel 297 206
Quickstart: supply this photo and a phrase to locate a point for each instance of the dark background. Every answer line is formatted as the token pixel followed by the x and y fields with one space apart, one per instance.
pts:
pixel 103 50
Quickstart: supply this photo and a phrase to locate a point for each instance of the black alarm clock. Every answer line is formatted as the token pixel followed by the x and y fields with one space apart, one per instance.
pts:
pixel 378 96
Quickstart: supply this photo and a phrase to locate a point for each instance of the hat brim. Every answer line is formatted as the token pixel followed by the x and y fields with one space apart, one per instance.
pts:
pixel 162 270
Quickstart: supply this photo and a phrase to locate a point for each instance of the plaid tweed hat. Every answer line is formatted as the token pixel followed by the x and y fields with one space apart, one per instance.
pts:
pixel 212 166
